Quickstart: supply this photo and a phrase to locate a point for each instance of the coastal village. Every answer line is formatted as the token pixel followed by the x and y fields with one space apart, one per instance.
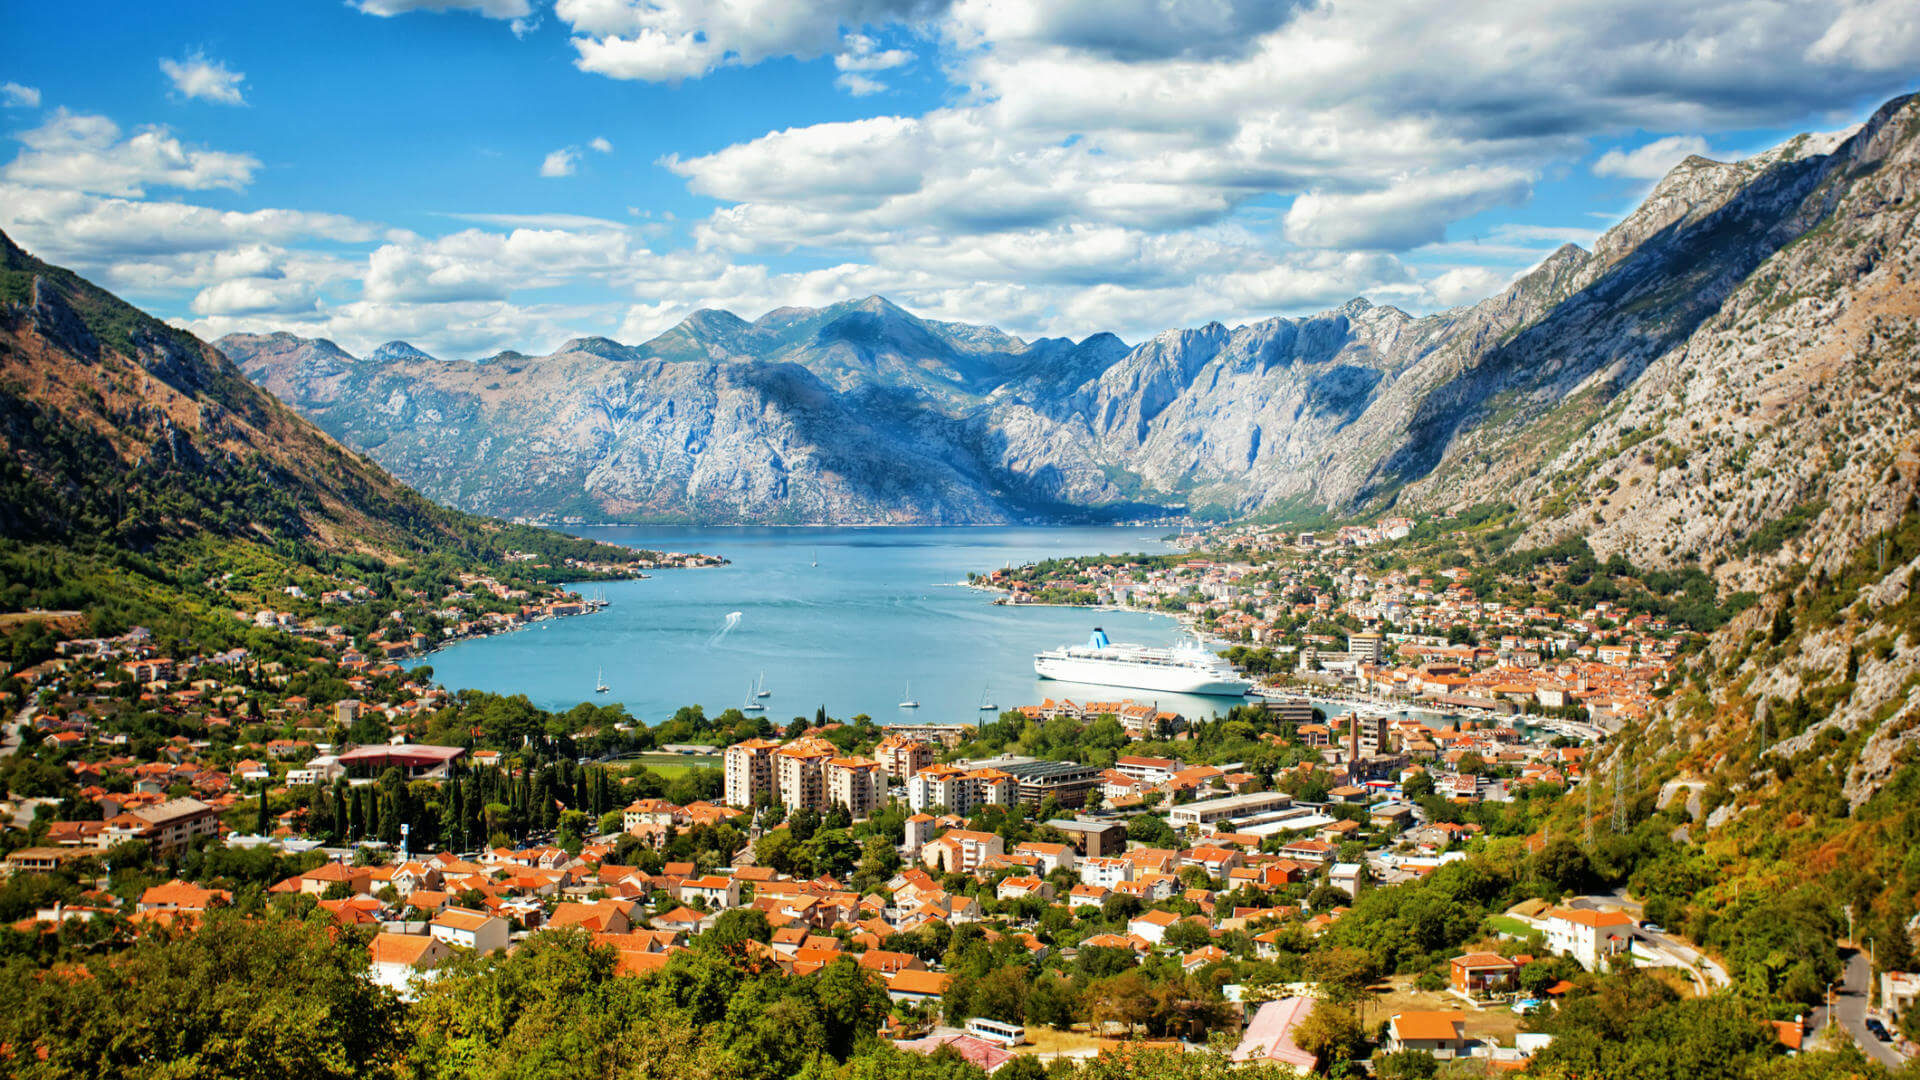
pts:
pixel 1068 877
pixel 1326 622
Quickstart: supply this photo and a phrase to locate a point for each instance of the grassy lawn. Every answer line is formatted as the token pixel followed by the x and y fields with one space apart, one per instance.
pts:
pixel 673 765
pixel 1507 924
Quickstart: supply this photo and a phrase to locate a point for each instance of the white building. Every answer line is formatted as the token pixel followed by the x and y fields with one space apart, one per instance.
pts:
pixel 1105 873
pixel 474 930
pixel 1588 936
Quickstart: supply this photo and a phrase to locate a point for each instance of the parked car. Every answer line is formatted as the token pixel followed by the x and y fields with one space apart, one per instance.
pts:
pixel 1652 927
pixel 1879 1030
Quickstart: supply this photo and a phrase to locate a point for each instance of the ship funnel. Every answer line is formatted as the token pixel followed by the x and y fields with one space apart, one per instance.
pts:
pixel 1099 639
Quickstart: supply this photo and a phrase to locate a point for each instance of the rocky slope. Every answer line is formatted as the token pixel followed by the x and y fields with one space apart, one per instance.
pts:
pixel 119 433
pixel 1661 391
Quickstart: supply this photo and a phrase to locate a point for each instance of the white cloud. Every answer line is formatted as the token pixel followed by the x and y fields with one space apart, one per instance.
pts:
pixel 1466 285
pixel 539 221
pixel 561 162
pixel 85 153
pixel 15 96
pixel 859 85
pixel 1877 35
pixel 601 144
pixel 1652 161
pixel 256 296
pixel 1126 29
pixel 863 53
pixel 671 40
pixel 477 265
pixel 1412 211
pixel 198 77
pixel 492 9
pixel 87 230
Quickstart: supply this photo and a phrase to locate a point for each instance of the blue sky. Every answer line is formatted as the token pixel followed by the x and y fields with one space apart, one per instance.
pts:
pixel 472 175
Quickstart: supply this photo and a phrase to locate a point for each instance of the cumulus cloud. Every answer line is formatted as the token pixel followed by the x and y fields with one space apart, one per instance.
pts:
pixel 256 296
pixel 1412 211
pixel 195 76
pixel 601 144
pixel 15 96
pixel 1466 285
pixel 88 230
pixel 1127 165
pixel 859 85
pixel 474 264
pixel 492 9
pixel 1127 29
pixel 671 40
pixel 1652 161
pixel 863 53
pixel 86 153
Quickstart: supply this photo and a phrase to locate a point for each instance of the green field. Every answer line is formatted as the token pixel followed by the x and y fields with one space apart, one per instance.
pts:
pixel 1507 924
pixel 672 765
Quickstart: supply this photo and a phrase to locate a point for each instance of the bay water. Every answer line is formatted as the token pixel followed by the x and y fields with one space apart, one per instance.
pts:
pixel 884 617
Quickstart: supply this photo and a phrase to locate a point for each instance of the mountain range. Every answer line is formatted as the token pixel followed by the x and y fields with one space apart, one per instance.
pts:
pixel 1716 323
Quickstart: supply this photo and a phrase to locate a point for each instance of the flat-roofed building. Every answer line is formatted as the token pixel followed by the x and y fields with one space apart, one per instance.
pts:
pixel 1093 838
pixel 1067 781
pixel 168 826
pixel 1207 813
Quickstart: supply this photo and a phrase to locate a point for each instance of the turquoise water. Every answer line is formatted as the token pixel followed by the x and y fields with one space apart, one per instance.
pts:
pixel 883 611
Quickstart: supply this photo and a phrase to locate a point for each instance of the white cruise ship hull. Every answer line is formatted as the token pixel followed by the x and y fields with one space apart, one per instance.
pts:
pixel 1166 678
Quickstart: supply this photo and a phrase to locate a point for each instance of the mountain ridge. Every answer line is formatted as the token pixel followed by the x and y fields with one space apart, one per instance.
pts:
pixel 1350 411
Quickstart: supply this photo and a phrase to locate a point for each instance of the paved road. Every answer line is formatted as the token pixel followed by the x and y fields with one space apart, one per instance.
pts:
pixel 1850 1009
pixel 10 744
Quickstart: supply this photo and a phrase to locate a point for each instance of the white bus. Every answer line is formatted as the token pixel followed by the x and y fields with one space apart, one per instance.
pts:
pixel 995 1031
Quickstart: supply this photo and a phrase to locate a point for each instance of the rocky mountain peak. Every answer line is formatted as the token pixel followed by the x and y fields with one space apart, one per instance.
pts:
pixel 397 352
pixel 605 348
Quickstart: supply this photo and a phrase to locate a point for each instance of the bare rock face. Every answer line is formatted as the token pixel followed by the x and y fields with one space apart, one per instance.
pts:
pixel 1733 355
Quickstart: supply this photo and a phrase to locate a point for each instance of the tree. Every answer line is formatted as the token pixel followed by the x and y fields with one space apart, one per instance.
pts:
pixel 1187 936
pixel 1405 1065
pixel 1418 786
pixel 1343 974
pixel 879 861
pixel 733 929
pixel 1330 1032
pixel 1151 830
pixel 213 1002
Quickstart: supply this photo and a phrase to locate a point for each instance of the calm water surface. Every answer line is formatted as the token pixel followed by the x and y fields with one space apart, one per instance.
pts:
pixel 882 616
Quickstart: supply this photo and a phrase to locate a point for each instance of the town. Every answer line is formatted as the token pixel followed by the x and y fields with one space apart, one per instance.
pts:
pixel 1056 881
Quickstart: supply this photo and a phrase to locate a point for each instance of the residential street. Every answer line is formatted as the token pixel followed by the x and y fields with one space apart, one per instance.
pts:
pixel 1850 1009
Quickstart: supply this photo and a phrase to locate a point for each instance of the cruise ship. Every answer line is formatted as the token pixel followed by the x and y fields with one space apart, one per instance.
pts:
pixel 1181 670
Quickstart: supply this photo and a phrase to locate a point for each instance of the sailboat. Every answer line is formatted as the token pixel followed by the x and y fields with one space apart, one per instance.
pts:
pixel 760 688
pixel 600 682
pixel 986 699
pixel 816 556
pixel 908 702
pixel 752 705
